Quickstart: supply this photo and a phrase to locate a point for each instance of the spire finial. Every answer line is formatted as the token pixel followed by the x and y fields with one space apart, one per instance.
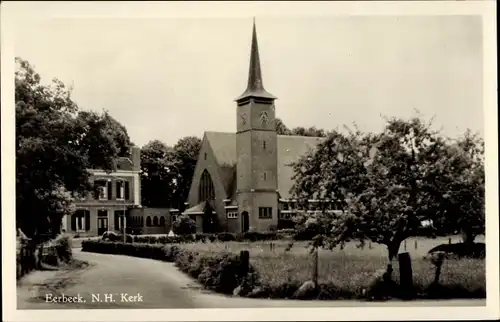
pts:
pixel 255 87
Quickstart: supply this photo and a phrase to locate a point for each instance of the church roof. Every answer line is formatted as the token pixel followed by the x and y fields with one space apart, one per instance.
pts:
pixel 199 209
pixel 290 149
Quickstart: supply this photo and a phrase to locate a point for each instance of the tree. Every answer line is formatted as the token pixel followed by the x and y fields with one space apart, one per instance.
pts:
pixel 157 174
pixel 464 186
pixel 183 225
pixel 186 156
pixel 281 128
pixel 300 131
pixel 384 185
pixel 315 132
pixel 55 145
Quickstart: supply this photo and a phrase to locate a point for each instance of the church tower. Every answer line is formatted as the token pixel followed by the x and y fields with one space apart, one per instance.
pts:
pixel 256 146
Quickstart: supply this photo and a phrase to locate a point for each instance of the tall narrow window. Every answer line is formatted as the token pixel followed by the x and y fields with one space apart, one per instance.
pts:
pixel 120 190
pixel 264 144
pixel 206 189
pixel 101 189
pixel 205 156
pixel 127 190
pixel 265 176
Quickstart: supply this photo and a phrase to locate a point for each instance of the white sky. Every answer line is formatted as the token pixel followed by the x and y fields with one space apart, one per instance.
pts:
pixel 168 78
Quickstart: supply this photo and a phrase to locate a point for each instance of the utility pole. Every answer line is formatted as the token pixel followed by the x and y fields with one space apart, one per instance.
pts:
pixel 124 214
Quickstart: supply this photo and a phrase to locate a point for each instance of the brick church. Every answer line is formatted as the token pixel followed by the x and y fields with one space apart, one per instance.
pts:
pixel 243 179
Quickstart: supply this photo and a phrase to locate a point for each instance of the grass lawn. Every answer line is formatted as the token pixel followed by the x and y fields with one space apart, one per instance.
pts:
pixel 351 268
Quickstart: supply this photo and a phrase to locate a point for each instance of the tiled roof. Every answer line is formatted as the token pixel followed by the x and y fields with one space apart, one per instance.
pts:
pixel 290 148
pixel 196 209
pixel 123 163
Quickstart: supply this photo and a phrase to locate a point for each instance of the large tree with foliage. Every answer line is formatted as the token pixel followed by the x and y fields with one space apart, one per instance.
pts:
pixel 463 188
pixel 282 129
pixel 158 174
pixel 186 156
pixel 55 145
pixel 384 185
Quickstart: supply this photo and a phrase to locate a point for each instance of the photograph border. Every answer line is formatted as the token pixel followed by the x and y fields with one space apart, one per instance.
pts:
pixel 13 13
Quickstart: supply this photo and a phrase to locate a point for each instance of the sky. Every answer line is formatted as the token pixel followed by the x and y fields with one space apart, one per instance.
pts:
pixel 169 78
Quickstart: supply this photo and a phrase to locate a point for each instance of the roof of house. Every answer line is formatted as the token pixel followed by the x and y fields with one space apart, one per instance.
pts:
pixel 290 149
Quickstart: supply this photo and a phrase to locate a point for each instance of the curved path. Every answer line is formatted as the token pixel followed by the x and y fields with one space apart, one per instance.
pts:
pixel 158 285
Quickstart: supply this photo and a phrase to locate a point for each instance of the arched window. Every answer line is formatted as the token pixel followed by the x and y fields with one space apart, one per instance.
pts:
pixel 148 221
pixel 206 188
pixel 155 221
pixel 162 221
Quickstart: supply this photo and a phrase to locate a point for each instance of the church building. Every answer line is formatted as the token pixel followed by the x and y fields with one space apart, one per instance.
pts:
pixel 242 180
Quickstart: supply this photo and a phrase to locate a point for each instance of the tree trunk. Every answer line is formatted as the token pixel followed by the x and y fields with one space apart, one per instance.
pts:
pixel 468 237
pixel 393 249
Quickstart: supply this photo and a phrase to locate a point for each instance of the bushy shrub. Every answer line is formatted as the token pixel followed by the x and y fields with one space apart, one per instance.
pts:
pixel 225 237
pixel 183 225
pixel 461 250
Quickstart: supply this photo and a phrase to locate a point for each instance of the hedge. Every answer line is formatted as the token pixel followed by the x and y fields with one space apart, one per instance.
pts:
pixel 224 272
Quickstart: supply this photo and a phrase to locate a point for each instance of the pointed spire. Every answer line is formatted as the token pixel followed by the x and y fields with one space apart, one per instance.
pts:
pixel 255 88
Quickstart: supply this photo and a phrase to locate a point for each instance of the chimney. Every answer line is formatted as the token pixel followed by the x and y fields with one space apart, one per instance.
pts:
pixel 136 158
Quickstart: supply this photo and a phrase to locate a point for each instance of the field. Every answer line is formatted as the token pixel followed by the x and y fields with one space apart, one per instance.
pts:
pixel 351 268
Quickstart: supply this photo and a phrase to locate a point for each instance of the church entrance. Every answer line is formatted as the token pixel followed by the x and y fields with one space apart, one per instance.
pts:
pixel 244 221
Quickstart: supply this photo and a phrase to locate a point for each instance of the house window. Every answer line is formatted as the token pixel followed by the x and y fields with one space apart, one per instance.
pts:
pixel 101 187
pixel 120 190
pixel 285 215
pixel 119 219
pixel 264 145
pixel 265 212
pixel 204 156
pixel 232 215
pixel 80 220
pixel 265 176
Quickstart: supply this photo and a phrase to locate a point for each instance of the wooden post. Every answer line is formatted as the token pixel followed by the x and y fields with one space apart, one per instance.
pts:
pixel 449 240
pixel 405 275
pixel 245 262
pixel 315 267
pixel 416 246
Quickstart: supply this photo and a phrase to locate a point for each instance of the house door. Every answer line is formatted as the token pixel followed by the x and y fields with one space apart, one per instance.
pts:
pixel 102 225
pixel 244 221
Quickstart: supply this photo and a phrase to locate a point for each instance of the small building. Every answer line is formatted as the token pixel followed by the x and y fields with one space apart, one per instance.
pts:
pixel 151 221
pixel 116 192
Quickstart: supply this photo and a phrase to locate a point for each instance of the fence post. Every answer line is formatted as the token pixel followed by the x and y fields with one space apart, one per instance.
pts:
pixel 416 246
pixel 245 262
pixel 315 267
pixel 449 240
pixel 405 275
